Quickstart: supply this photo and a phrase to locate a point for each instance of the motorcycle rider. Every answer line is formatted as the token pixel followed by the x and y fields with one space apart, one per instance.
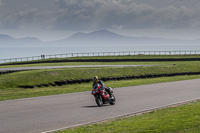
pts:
pixel 96 80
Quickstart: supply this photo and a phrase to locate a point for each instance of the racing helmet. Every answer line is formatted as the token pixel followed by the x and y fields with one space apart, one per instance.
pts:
pixel 95 79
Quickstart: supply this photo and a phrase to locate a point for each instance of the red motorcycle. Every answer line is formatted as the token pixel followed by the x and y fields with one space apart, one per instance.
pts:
pixel 102 96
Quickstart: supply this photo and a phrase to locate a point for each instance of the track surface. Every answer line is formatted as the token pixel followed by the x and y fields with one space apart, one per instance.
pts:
pixel 60 111
pixel 51 67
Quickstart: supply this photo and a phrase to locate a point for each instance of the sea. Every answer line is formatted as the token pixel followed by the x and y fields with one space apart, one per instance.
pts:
pixel 7 52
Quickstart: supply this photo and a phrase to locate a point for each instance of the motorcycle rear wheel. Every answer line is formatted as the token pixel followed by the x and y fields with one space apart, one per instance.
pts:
pixel 99 100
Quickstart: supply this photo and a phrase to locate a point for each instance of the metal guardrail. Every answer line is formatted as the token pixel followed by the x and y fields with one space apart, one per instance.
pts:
pixel 123 53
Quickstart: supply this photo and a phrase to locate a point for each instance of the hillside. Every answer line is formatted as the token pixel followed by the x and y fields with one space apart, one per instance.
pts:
pixel 100 37
pixel 106 37
pixel 8 40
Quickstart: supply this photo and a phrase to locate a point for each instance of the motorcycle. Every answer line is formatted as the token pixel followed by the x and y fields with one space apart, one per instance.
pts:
pixel 102 96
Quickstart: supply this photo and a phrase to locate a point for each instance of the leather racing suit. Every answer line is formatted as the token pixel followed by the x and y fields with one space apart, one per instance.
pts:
pixel 103 85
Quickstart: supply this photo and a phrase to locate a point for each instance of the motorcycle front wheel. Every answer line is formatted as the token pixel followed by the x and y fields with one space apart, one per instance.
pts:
pixel 112 101
pixel 99 100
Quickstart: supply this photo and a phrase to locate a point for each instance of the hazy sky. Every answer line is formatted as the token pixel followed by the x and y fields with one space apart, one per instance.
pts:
pixel 56 19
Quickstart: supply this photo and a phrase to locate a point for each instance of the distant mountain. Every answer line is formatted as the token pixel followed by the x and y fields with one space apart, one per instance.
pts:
pixel 104 34
pixel 100 37
pixel 105 37
pixel 29 40
pixel 8 40
pixel 78 35
pixel 96 35
pixel 5 38
pixel 93 38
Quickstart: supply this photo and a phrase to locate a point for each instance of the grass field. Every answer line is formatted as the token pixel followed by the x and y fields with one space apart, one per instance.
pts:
pixel 182 119
pixel 17 93
pixel 9 83
pixel 85 63
pixel 50 75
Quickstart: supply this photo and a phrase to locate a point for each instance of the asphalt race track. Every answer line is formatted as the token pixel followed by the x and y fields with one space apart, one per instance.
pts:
pixel 49 113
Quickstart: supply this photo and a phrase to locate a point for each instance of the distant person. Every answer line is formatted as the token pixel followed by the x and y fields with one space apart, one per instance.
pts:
pixel 42 57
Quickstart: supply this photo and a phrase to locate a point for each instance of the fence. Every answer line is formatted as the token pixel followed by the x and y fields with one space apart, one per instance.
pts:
pixel 123 53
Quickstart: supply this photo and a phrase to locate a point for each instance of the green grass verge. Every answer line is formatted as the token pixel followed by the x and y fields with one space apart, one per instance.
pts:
pixel 36 77
pixel 182 119
pixel 18 93
pixel 86 63
pixel 9 83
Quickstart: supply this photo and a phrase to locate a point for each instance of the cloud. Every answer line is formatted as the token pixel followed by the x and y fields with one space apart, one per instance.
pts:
pixel 19 14
pixel 1 3
pixel 26 18
pixel 76 14
pixel 102 14
pixel 172 17
pixel 96 14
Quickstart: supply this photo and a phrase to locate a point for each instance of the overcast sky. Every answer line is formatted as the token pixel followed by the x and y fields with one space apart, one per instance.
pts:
pixel 56 19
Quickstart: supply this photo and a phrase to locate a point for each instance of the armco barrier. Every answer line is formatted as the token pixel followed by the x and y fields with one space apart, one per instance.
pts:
pixel 97 54
pixel 79 81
